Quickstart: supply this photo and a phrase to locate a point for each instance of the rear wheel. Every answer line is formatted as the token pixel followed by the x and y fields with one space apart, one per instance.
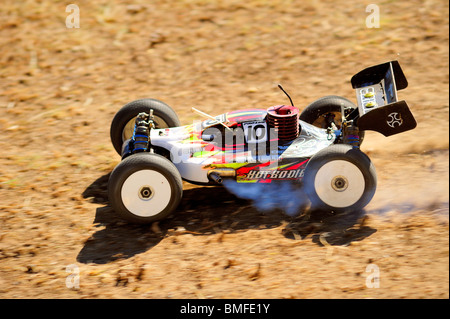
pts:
pixel 122 126
pixel 340 178
pixel 316 112
pixel 144 187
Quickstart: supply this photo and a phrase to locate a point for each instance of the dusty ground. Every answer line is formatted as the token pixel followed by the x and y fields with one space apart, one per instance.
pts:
pixel 60 88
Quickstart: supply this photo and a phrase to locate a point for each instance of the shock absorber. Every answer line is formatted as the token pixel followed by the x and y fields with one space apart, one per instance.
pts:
pixel 351 134
pixel 141 134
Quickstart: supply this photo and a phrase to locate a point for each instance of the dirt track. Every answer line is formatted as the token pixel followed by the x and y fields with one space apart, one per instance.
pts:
pixel 60 88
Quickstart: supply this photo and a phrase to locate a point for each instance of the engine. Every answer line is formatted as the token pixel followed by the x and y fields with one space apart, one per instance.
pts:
pixel 285 120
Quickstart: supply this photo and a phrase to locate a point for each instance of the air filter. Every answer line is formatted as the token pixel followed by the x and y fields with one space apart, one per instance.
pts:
pixel 284 119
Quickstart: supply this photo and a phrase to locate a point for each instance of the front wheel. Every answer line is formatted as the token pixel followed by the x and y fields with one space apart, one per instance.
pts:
pixel 122 126
pixel 340 178
pixel 144 188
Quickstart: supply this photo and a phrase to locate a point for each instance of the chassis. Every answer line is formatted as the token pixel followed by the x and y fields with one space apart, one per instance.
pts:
pixel 317 149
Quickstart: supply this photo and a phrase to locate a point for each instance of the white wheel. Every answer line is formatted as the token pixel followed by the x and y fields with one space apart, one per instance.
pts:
pixel 146 193
pixel 340 178
pixel 339 183
pixel 145 187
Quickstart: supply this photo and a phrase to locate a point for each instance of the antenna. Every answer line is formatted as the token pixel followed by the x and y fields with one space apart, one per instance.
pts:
pixel 211 117
pixel 281 88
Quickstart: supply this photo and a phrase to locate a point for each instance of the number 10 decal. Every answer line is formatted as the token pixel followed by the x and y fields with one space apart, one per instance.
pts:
pixel 255 132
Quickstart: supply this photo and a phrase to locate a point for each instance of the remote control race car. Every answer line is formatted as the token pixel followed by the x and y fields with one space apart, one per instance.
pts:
pixel 317 149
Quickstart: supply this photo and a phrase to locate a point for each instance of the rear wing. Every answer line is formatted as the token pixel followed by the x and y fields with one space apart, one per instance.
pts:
pixel 376 93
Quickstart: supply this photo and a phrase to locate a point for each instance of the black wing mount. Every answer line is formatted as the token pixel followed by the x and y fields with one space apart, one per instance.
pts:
pixel 376 93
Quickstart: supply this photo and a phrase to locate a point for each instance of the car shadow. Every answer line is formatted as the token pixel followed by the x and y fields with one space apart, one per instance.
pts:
pixel 204 211
pixel 328 228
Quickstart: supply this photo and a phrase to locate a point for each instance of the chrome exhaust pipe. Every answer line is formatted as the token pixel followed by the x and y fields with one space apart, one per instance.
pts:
pixel 215 178
pixel 216 175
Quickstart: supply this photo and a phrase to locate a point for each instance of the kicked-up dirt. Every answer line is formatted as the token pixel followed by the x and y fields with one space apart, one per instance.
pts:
pixel 60 88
